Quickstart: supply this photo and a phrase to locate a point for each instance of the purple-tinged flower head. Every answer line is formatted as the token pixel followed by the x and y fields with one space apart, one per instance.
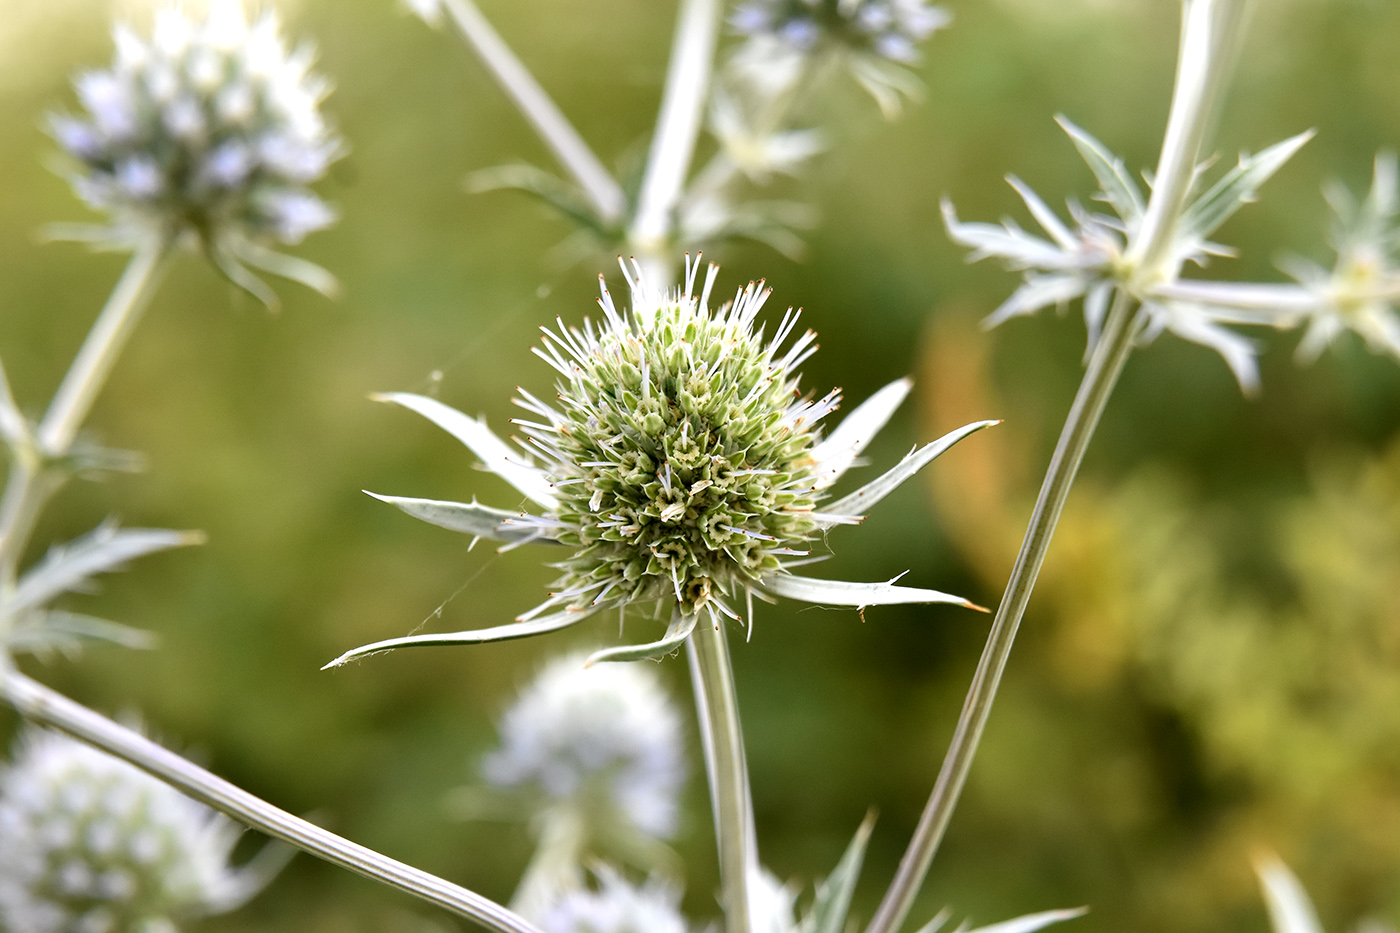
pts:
pixel 208 131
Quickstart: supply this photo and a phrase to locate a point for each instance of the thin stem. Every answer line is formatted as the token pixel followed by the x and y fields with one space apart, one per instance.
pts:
pixel 712 677
pixel 1104 367
pixel 1209 30
pixel 103 345
pixel 555 864
pixel 601 189
pixel 46 707
pixel 677 128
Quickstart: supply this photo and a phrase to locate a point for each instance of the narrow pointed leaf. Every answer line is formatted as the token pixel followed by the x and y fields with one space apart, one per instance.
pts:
pixel 13 428
pixel 1031 922
pixel 550 623
pixel 836 452
pixel 106 548
pixel 845 593
pixel 1290 908
pixel 860 501
pixel 567 199
pixel 939 919
pixel 508 464
pixel 833 898
pixel 1043 214
pixel 68 629
pixel 1113 177
pixel 676 634
pixel 1238 186
pixel 474 519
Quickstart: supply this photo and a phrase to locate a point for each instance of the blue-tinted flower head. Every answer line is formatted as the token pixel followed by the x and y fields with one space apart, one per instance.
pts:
pixel 209 130
pixel 604 739
pixel 91 843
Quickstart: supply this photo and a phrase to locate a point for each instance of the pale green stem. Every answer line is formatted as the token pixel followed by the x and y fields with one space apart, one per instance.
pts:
pixel 673 142
pixel 556 862
pixel 1209 34
pixel 46 707
pixel 717 707
pixel 602 190
pixel 29 484
pixel 1104 366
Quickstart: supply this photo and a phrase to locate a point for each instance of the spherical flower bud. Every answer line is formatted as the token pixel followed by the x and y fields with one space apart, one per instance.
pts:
pixel 209 131
pixel 90 843
pixel 604 739
pixel 617 906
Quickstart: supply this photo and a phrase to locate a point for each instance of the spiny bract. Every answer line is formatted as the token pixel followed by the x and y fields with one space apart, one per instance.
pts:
pixel 681 465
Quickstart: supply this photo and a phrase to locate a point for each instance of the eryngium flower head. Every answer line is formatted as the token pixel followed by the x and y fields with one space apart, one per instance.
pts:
pixel 605 740
pixel 210 130
pixel 617 906
pixel 891 29
pixel 89 842
pixel 682 465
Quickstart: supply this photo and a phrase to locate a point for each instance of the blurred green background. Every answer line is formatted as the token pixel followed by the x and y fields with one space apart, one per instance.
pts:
pixel 1208 671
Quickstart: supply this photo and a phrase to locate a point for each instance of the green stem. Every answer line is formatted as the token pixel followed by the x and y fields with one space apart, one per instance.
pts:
pixel 103 345
pixel 555 865
pixel 717 706
pixel 46 707
pixel 1105 365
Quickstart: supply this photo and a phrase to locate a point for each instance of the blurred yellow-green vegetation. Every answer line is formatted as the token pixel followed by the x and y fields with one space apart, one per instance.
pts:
pixel 1210 668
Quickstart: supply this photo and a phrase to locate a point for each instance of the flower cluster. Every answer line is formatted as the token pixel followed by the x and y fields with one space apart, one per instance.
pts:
pixel 617 906
pixel 604 739
pixel 211 130
pixel 90 843
pixel 682 465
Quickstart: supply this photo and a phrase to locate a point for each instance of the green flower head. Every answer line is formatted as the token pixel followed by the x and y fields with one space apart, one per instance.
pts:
pixel 681 464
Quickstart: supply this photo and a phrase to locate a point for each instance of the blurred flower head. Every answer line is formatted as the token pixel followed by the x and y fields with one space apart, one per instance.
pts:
pixel 91 843
pixel 1361 290
pixel 681 467
pixel 209 131
pixel 875 39
pixel 616 906
pixel 606 739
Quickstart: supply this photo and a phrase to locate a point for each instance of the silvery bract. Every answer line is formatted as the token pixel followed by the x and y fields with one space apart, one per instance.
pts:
pixel 90 843
pixel 1290 908
pixel 1091 259
pixel 605 740
pixel 617 906
pixel 209 131
pixel 682 467
pixel 876 38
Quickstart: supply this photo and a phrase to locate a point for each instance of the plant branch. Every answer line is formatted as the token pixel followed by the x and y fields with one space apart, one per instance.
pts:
pixel 46 707
pixel 602 190
pixel 1107 361
pixel 677 129
pixel 717 707
pixel 104 344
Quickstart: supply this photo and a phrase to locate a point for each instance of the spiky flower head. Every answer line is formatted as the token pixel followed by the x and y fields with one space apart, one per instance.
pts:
pixel 617 906
pixel 208 131
pixel 875 39
pixel 605 740
pixel 682 466
pixel 91 843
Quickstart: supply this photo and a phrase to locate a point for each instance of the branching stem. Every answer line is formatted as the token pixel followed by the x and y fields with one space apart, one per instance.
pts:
pixel 602 190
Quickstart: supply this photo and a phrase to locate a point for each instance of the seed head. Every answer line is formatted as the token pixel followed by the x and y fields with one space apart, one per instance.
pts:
pixel 91 843
pixel 208 130
pixel 891 29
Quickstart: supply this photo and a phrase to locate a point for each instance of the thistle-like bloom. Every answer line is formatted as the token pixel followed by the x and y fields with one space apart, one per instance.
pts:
pixel 682 465
pixel 91 843
pixel 605 740
pixel 211 132
pixel 1361 290
pixel 617 906
pixel 877 38
pixel 1092 259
